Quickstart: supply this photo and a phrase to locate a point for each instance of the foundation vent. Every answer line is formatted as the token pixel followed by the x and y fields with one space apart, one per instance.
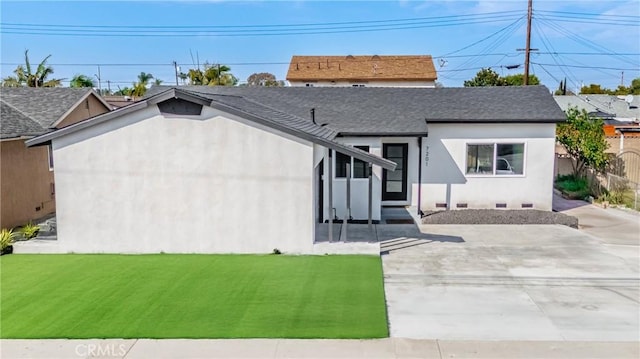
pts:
pixel 527 205
pixel 441 205
pixel 461 205
pixel 501 205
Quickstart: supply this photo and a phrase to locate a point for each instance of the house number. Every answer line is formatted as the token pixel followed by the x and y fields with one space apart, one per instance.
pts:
pixel 426 156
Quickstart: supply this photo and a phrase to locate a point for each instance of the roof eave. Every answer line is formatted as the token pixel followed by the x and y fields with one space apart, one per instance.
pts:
pixel 347 150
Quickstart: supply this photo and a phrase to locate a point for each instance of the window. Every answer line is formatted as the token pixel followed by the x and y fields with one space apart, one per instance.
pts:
pixel 358 167
pixel 497 159
pixel 50 153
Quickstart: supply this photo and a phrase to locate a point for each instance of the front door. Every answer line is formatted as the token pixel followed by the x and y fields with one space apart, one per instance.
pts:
pixel 394 184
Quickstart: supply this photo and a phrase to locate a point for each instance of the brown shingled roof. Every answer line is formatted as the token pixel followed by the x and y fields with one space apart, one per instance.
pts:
pixel 362 68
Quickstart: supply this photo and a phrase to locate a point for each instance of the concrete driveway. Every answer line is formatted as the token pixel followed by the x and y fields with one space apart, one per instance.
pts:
pixel 515 282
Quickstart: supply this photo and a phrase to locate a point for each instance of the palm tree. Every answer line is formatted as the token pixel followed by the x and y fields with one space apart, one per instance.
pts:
pixel 24 75
pixel 144 78
pixel 213 75
pixel 81 81
pixel 157 82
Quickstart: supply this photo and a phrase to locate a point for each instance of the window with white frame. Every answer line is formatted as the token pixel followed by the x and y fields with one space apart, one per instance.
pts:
pixel 495 159
pixel 358 167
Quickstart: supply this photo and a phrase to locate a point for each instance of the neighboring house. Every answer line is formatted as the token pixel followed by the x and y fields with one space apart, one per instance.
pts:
pixel 214 169
pixel 621 115
pixel 27 181
pixel 362 71
pixel 117 101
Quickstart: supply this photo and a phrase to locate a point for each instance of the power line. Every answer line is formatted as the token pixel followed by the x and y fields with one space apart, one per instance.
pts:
pixel 204 27
pixel 592 67
pixel 588 14
pixel 241 33
pixel 583 41
pixel 483 39
pixel 381 59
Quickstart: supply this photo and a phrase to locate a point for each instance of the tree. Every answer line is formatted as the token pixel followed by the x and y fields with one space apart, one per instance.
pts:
pixel 583 138
pixel 263 79
pixel 157 82
pixel 81 81
pixel 594 89
pixel 488 77
pixel 634 89
pixel 140 87
pixel 518 80
pixel 213 75
pixel 123 92
pixel 24 75
pixel 485 77
pixel 635 86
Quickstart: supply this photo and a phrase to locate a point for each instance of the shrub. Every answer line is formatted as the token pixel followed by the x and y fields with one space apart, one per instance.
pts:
pixel 276 251
pixel 6 238
pixel 29 230
pixel 574 186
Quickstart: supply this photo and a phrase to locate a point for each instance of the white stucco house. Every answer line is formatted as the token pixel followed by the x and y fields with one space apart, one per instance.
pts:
pixel 246 170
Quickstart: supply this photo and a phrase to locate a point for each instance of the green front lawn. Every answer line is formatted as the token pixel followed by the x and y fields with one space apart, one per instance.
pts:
pixel 191 296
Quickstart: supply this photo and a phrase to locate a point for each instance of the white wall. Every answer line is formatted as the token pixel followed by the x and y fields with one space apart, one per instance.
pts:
pixel 366 84
pixel 360 186
pixel 444 179
pixel 145 183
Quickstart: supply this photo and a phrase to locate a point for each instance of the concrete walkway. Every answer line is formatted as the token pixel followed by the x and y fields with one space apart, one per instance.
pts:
pixel 611 225
pixel 301 348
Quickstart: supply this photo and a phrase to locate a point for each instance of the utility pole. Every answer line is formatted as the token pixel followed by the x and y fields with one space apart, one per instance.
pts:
pixel 175 67
pixel 109 87
pixel 622 79
pixel 99 81
pixel 527 49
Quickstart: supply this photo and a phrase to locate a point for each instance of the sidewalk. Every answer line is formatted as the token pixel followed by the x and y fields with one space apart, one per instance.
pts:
pixel 303 348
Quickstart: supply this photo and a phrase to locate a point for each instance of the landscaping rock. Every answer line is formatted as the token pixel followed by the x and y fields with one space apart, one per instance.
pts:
pixel 494 216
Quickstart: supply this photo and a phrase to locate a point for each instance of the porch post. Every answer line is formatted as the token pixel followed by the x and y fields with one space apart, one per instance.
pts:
pixel 343 233
pixel 370 195
pixel 330 190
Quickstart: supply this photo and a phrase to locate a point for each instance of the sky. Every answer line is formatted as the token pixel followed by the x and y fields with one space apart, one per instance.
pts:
pixel 585 41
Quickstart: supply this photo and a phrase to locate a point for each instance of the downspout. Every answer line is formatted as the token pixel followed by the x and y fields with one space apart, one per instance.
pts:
pixel 330 170
pixel 621 141
pixel 420 176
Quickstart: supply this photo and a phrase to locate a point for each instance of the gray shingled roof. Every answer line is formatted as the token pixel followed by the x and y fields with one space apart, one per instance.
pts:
pixel 234 105
pixel 379 111
pixel 603 105
pixel 260 110
pixel 28 111
pixel 16 124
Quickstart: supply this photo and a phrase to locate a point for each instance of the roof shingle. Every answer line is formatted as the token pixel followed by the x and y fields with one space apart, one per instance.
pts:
pixel 399 111
pixel 362 68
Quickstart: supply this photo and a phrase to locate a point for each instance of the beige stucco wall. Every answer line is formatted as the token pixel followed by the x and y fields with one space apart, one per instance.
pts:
pixel 378 83
pixel 25 183
pixel 146 183
pixel 26 178
pixel 89 107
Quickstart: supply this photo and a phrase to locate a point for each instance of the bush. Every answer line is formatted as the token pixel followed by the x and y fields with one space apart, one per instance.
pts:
pixel 573 186
pixel 29 230
pixel 6 238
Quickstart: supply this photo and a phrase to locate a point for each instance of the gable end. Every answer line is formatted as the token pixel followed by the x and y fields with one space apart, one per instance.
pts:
pixel 179 107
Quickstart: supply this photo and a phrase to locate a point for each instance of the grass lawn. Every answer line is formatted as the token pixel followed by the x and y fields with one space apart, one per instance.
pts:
pixel 191 296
